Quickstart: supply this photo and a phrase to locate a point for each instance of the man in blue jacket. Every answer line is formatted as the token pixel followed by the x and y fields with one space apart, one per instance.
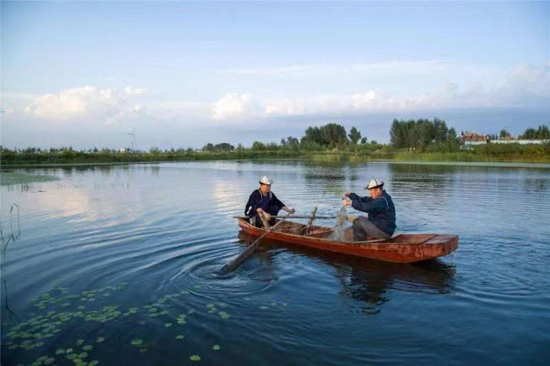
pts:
pixel 263 201
pixel 380 223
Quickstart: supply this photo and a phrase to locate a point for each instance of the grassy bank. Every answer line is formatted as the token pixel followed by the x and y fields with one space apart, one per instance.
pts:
pixel 524 155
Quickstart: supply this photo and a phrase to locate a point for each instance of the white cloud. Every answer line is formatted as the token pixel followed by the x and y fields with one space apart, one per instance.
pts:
pixel 86 103
pixel 234 105
pixel 525 86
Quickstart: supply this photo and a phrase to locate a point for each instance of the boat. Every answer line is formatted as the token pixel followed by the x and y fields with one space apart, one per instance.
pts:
pixel 401 248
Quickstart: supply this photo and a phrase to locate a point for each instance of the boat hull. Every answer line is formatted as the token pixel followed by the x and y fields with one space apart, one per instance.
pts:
pixel 404 248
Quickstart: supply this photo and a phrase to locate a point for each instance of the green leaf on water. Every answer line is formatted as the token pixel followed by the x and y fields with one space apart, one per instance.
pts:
pixel 264 307
pixel 60 351
pixel 190 311
pixel 69 350
pixel 79 342
pixel 100 339
pixel 216 347
pixel 195 358
pixel 49 361
pixel 168 325
pixel 210 306
pixel 93 363
pixel 181 336
pixel 137 342
pixel 225 316
pixel 83 355
pixel 87 348
pixel 273 303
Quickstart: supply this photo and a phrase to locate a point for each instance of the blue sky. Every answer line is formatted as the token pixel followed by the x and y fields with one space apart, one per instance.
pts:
pixel 186 73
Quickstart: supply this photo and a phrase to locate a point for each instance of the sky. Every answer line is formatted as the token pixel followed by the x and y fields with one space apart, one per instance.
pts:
pixel 182 74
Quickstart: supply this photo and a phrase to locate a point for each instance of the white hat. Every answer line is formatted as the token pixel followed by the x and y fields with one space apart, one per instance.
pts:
pixel 265 180
pixel 374 183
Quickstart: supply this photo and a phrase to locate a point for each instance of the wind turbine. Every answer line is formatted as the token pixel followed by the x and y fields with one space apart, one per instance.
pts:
pixel 133 134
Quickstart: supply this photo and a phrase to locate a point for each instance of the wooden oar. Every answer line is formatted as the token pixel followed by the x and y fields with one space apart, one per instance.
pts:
pixel 251 248
pixel 294 217
pixel 310 222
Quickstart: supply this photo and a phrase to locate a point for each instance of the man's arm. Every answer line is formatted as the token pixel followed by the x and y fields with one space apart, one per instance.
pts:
pixel 275 201
pixel 369 205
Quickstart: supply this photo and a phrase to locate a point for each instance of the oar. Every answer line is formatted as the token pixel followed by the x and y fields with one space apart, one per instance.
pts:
pixel 251 248
pixel 294 217
pixel 310 222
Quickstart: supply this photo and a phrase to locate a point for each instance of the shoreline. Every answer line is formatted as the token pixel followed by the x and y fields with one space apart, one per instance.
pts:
pixel 318 158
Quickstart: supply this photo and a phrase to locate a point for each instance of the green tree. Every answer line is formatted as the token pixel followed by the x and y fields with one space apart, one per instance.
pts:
pixel 258 146
pixel 503 133
pixel 354 135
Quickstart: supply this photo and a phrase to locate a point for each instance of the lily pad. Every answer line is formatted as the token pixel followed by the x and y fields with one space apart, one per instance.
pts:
pixel 195 358
pixel 264 307
pixel 87 348
pixel 79 342
pixel 49 361
pixel 60 351
pixel 167 325
pixel 181 336
pixel 137 342
pixel 216 347
pixel 93 363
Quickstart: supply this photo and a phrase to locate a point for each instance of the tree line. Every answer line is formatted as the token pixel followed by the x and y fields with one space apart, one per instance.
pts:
pixel 421 135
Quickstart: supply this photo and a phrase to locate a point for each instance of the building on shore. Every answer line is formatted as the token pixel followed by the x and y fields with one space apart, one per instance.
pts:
pixel 470 139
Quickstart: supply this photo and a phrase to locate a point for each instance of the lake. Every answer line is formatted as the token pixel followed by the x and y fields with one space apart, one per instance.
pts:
pixel 120 264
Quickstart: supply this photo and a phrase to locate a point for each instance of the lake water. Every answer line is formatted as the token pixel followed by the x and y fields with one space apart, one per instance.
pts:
pixel 121 265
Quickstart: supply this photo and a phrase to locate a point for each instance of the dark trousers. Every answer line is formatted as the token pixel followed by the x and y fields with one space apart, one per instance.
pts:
pixel 363 228
pixel 272 210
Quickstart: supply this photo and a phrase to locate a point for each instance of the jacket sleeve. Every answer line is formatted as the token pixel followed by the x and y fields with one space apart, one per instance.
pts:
pixel 251 205
pixel 368 204
pixel 276 202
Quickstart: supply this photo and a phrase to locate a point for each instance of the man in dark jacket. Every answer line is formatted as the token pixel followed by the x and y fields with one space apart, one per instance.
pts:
pixel 263 201
pixel 380 223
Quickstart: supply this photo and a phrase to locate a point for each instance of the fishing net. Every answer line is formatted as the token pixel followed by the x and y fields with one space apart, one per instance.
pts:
pixel 338 232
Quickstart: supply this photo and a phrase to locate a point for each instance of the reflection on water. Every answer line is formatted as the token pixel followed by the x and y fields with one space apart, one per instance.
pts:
pixel 126 258
pixel 365 280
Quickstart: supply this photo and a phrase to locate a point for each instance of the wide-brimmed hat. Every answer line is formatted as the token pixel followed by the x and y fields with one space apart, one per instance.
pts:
pixel 374 183
pixel 265 180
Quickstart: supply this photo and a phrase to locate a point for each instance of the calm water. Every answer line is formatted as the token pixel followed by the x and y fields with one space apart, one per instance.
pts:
pixel 124 259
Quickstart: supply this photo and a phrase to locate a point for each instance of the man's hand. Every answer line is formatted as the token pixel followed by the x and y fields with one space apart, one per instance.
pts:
pixel 346 202
pixel 267 216
pixel 289 210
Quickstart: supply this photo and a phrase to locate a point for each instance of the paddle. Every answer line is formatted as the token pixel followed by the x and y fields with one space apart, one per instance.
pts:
pixel 294 217
pixel 251 248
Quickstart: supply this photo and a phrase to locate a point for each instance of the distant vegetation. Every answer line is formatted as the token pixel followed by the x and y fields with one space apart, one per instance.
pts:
pixel 422 139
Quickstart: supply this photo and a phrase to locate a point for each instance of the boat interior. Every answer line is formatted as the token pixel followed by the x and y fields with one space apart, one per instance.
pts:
pixel 323 232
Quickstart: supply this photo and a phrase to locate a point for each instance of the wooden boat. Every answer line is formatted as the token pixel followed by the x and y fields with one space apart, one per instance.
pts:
pixel 402 248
